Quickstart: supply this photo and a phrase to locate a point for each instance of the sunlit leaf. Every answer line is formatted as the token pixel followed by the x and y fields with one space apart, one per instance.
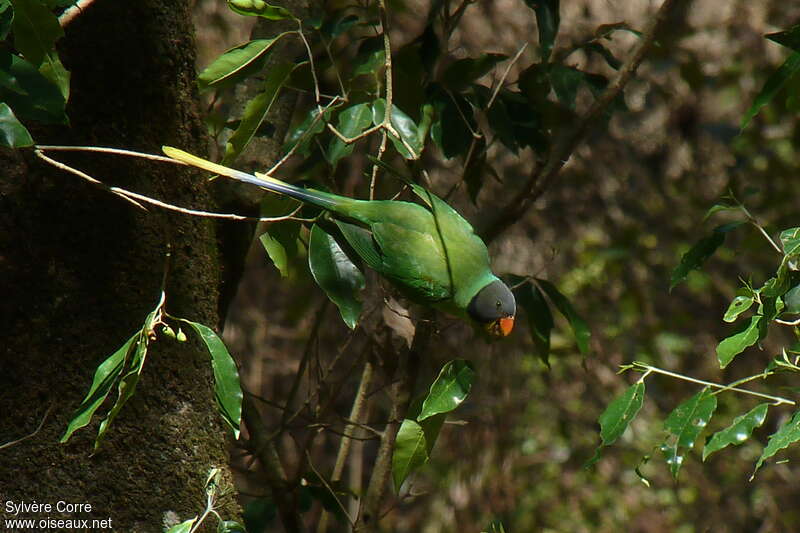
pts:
pixel 237 64
pixel 256 110
pixel 336 274
pixel 732 346
pixel 739 431
pixel 700 252
pixel 548 20
pixel 787 434
pixel 790 239
pixel 739 305
pixel 414 443
pixel 230 526
pixel 280 239
pixel 227 387
pixel 259 8
pixel 12 133
pixel 720 206
pixel 36 30
pixel 579 326
pixel 104 377
pixel 618 416
pixel 54 70
pixel 778 78
pixel 684 424
pixel 183 527
pixel 449 390
pixel 351 122
pixel 403 124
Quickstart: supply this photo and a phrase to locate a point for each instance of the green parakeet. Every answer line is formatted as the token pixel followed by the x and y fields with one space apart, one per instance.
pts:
pixel 429 252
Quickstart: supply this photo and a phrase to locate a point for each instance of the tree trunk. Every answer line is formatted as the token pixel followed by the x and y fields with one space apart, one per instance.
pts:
pixel 81 269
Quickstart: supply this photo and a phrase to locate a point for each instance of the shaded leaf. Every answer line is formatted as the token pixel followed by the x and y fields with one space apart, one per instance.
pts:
pixel 12 133
pixel 566 81
pixel 460 74
pixel 371 56
pixel 54 70
pixel 236 64
pixel 36 30
pixel 227 387
pixel 336 274
pixel 792 300
pixel 540 319
pixel 338 23
pixel 452 124
pixel 700 252
pixel 720 206
pixel 739 431
pixel 548 20
pixel 6 18
pixel 259 8
pixel 787 434
pixel 732 346
pixel 258 514
pixel 280 239
pixel 449 390
pixel 605 53
pixel 579 326
pixel 739 305
pixel 789 38
pixel 684 425
pixel 773 84
pixel 618 416
pixel 28 92
pixel 303 135
pixel 351 122
pixel 104 378
pixel 255 112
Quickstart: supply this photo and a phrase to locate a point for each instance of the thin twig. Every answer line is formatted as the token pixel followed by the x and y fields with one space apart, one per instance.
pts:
pixel 32 434
pixel 505 75
pixel 327 486
pixel 564 145
pixel 311 63
pixel 72 12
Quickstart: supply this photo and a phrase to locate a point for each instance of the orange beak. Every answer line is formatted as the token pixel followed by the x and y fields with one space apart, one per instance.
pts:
pixel 501 327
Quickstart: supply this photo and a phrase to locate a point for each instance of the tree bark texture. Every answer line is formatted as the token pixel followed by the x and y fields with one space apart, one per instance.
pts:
pixel 80 269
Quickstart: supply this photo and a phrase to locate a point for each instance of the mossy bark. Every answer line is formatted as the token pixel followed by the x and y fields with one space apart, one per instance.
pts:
pixel 81 269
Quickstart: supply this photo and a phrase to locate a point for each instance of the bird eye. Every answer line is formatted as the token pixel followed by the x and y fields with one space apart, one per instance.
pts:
pixel 498 305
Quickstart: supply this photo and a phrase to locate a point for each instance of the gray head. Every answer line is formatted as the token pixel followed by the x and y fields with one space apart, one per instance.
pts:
pixel 494 308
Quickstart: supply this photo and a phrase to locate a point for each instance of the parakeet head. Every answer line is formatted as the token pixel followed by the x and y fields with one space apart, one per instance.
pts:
pixel 493 308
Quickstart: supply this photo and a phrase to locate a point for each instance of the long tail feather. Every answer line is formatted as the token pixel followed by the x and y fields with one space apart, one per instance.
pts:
pixel 318 198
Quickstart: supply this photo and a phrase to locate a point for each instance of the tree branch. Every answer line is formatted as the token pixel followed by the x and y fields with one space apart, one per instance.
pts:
pixel 565 144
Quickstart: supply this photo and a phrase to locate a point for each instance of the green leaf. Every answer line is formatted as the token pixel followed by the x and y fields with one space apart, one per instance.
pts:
pixel 371 56
pixel 459 75
pixel 36 30
pixel 566 81
pixel 451 128
pixel 256 110
pixel 547 19
pixel 28 92
pixel 414 444
pixel 104 378
pixel 259 8
pixel 352 121
pixel 230 526
pixel 739 305
pixel 227 387
pixel 618 416
pixel 237 64
pixel 700 252
pixel 720 206
pixel 732 346
pixel 787 434
pixel 785 72
pixel 790 239
pixel 606 54
pixel 280 239
pixel 183 527
pixel 54 70
pixel 540 319
pixel 338 23
pixel 792 300
pixel 12 133
pixel 684 425
pixel 403 124
pixel 6 18
pixel 789 38
pixel 739 431
pixel 127 385
pixel 579 326
pixel 304 134
pixel 449 390
pixel 336 274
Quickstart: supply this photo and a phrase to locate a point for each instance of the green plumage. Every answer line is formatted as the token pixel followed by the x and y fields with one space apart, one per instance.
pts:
pixel 428 251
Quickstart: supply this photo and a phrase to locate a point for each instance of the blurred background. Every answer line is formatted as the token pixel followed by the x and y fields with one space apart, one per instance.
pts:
pixel 608 232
